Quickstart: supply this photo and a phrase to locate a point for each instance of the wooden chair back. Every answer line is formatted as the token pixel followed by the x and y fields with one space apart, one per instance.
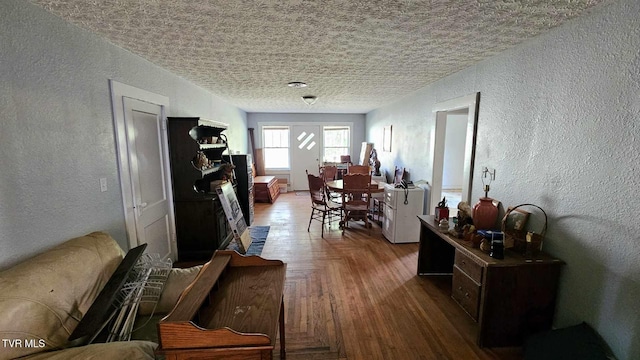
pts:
pixel 323 209
pixel 345 159
pixel 356 189
pixel 316 189
pixel 328 172
pixel 358 169
pixel 356 198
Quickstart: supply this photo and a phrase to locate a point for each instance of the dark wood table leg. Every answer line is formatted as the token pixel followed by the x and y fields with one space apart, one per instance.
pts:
pixel 283 353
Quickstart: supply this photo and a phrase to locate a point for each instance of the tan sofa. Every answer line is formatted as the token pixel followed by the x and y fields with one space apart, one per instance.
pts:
pixel 43 298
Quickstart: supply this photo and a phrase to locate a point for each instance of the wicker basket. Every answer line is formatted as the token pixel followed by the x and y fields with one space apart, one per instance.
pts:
pixel 522 242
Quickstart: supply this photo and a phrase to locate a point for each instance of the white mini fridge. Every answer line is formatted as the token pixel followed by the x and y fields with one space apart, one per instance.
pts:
pixel 401 208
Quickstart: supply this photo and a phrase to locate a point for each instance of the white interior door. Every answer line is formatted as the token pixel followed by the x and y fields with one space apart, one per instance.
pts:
pixel 306 141
pixel 144 124
pixel 144 174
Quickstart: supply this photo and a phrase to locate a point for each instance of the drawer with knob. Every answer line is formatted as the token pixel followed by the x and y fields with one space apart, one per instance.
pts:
pixel 466 292
pixel 469 266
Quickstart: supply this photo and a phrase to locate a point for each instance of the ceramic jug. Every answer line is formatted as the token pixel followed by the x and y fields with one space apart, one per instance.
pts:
pixel 485 214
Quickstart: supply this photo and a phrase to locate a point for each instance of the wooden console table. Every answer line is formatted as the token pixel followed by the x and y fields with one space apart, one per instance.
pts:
pixel 509 298
pixel 232 309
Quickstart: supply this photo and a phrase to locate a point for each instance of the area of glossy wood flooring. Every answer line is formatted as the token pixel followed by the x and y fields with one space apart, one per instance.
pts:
pixel 357 296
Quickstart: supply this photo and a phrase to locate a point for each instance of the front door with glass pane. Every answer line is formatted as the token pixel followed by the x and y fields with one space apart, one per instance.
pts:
pixel 306 141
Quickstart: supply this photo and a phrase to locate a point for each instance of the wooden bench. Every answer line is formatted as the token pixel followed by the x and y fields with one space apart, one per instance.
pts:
pixel 232 310
pixel 266 189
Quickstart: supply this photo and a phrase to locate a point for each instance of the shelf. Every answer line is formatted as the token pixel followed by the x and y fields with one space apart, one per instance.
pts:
pixel 212 151
pixel 201 132
pixel 209 170
pixel 212 146
pixel 212 123
pixel 208 187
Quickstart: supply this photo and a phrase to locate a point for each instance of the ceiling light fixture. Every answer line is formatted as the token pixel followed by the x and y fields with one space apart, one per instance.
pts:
pixel 310 99
pixel 297 84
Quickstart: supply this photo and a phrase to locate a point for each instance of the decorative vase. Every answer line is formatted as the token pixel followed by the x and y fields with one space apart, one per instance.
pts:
pixel 485 214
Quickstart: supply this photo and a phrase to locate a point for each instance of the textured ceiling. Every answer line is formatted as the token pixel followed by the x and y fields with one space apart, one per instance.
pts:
pixel 355 55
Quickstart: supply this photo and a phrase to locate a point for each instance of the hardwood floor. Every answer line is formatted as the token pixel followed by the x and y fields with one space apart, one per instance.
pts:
pixel 357 296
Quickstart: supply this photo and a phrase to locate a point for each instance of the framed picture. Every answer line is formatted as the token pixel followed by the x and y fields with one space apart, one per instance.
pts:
pixel 234 216
pixel 386 139
pixel 517 219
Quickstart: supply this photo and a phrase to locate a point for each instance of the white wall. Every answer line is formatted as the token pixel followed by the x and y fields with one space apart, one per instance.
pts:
pixel 57 134
pixel 559 121
pixel 358 121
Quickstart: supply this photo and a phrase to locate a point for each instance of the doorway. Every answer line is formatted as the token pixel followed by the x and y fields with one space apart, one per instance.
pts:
pixel 141 136
pixel 454 148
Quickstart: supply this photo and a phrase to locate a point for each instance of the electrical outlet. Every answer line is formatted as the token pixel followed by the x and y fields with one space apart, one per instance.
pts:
pixel 103 184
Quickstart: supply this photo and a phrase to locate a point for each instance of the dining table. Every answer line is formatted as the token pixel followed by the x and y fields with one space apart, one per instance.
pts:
pixel 337 186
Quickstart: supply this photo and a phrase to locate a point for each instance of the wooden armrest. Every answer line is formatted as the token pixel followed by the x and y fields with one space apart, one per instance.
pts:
pixel 189 335
pixel 238 259
pixel 195 294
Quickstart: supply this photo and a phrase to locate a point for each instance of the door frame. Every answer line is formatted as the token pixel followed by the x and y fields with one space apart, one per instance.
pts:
pixel 440 110
pixel 118 91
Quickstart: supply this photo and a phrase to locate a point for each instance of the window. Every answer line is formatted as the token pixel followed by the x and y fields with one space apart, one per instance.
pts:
pixel 276 147
pixel 336 143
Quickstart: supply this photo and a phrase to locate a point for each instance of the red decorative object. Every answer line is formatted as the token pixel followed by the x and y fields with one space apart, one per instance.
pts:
pixel 442 213
pixel 485 214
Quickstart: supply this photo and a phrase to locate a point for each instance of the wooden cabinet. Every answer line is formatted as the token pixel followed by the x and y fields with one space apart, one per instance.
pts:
pixel 266 188
pixel 196 148
pixel 201 228
pixel 510 298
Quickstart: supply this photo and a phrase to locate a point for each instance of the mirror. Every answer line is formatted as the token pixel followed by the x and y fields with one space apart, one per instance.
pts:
pixel 454 149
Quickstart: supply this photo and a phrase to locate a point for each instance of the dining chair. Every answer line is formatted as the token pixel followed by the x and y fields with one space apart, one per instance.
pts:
pixel 322 208
pixel 359 169
pixel 329 173
pixel 356 199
